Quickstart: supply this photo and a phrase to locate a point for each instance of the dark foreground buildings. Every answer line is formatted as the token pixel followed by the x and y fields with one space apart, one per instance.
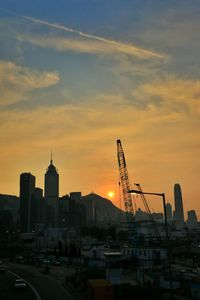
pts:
pixel 38 212
pixel 27 186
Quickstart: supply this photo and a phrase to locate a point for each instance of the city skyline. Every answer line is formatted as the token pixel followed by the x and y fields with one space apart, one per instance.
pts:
pixel 50 192
pixel 77 76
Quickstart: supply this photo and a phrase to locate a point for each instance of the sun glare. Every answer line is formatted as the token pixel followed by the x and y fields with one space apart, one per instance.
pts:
pixel 111 194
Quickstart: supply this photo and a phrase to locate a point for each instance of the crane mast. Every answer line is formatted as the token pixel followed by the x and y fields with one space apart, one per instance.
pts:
pixel 125 185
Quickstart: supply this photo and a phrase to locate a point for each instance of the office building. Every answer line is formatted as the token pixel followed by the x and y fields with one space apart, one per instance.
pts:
pixel 192 219
pixel 72 212
pixel 38 207
pixel 169 212
pixel 27 186
pixel 51 194
pixel 179 213
pixel 64 211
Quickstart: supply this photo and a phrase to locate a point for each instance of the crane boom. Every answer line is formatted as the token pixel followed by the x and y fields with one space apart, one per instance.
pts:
pixel 125 182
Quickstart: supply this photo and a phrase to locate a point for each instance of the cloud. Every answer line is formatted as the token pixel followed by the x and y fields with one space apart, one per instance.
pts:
pixel 77 45
pixel 175 28
pixel 16 81
pixel 173 94
pixel 83 136
pixel 113 45
pixel 118 46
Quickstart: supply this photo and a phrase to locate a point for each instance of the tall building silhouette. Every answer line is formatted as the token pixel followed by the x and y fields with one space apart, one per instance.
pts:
pixel 38 207
pixel 27 186
pixel 72 211
pixel 51 194
pixel 169 212
pixel 192 219
pixel 179 213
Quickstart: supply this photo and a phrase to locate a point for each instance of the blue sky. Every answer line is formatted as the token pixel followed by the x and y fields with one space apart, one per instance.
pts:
pixel 76 75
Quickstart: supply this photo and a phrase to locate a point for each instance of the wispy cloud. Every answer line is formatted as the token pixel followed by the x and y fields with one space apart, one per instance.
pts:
pixel 16 81
pixel 75 45
pixel 174 94
pixel 121 47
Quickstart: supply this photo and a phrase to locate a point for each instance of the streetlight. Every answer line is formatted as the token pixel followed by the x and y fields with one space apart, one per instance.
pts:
pixel 164 206
pixel 166 230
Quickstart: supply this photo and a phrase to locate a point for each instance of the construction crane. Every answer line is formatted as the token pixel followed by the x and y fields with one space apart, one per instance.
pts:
pixel 125 185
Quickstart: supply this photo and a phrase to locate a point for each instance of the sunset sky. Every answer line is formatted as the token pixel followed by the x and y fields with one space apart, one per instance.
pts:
pixel 76 75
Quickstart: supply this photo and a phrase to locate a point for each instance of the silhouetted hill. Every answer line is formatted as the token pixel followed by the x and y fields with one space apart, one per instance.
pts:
pixel 10 202
pixel 101 210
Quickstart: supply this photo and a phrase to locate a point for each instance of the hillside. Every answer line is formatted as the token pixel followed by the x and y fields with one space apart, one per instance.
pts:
pixel 101 210
pixel 11 203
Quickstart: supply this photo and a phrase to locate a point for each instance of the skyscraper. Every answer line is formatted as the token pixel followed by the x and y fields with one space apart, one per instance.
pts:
pixel 27 186
pixel 179 214
pixel 51 194
pixel 38 207
pixel 192 219
pixel 169 212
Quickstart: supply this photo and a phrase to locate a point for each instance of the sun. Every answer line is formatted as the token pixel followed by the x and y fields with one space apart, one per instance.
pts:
pixel 111 194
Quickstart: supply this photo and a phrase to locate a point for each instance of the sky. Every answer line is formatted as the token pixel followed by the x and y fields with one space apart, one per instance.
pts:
pixel 76 75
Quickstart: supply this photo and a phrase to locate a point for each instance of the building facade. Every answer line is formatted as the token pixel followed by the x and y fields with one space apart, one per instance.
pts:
pixel 178 201
pixel 51 194
pixel 169 212
pixel 192 221
pixel 72 212
pixel 27 186
pixel 39 207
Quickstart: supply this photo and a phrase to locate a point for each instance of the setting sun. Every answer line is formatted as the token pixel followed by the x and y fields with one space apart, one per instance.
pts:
pixel 111 194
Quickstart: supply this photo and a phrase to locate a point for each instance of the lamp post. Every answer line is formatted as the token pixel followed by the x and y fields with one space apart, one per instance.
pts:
pixel 166 231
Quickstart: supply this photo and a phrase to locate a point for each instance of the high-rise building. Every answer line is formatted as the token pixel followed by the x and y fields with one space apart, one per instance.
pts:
pixel 72 211
pixel 169 212
pixel 38 207
pixel 27 186
pixel 192 219
pixel 51 194
pixel 179 213
pixel 64 203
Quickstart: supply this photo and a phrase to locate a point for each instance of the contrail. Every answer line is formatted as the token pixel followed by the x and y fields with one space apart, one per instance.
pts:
pixel 121 47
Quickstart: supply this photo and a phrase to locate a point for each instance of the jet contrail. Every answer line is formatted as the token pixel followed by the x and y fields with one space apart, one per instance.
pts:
pixel 121 47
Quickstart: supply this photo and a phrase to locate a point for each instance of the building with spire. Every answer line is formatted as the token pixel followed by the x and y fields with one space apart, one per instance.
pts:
pixel 179 213
pixel 51 194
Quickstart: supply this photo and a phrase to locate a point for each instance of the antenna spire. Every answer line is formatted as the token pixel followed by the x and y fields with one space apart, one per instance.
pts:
pixel 51 157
